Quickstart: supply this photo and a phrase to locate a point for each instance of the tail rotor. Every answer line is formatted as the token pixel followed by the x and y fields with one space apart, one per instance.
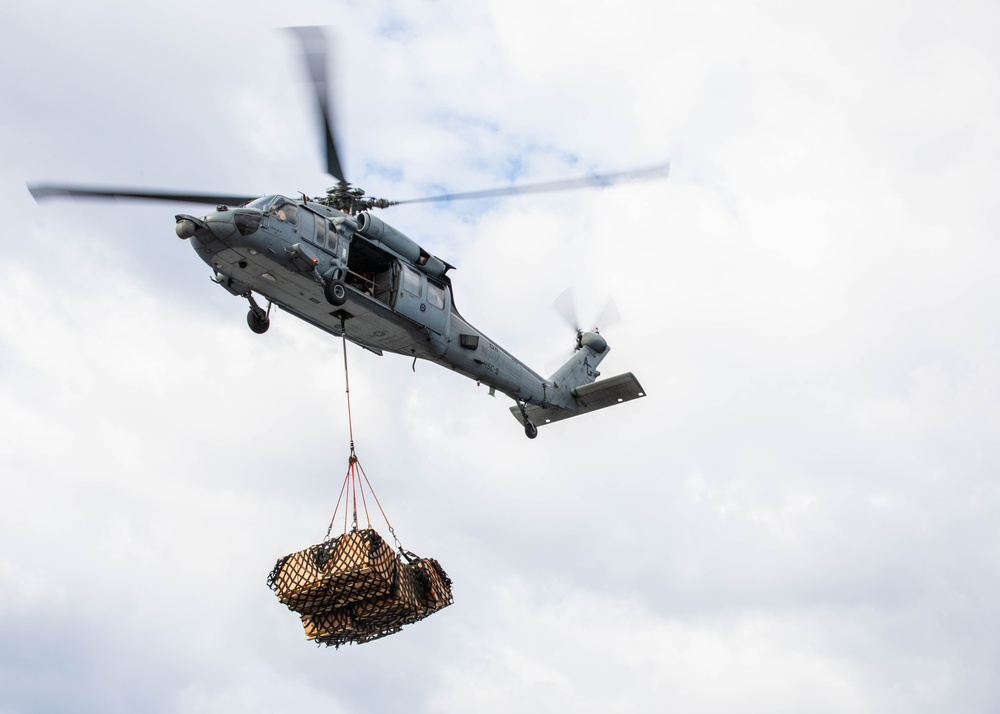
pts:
pixel 565 307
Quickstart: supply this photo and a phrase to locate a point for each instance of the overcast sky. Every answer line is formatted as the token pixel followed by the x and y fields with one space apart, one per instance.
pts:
pixel 801 516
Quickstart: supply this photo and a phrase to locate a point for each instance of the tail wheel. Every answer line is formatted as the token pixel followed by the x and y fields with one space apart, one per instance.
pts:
pixel 336 292
pixel 530 430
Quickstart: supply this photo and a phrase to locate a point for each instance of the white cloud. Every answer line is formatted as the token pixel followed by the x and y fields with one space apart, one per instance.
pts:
pixel 800 514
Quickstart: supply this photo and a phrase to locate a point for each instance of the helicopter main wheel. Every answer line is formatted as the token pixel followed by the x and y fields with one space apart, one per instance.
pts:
pixel 530 430
pixel 336 292
pixel 258 323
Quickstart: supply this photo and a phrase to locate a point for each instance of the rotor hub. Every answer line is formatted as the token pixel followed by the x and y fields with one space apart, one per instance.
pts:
pixel 351 199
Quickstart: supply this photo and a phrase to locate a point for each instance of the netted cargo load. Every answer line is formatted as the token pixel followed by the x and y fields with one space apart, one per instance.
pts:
pixel 345 593
pixel 352 588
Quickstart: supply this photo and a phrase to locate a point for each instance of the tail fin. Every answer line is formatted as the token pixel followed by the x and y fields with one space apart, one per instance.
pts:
pixel 581 368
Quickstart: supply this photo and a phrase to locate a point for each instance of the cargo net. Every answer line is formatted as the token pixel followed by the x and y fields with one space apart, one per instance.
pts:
pixel 353 588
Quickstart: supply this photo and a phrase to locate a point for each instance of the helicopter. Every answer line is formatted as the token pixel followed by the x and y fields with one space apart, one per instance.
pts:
pixel 332 263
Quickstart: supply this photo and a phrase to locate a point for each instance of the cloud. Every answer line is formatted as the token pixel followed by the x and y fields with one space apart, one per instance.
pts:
pixel 798 516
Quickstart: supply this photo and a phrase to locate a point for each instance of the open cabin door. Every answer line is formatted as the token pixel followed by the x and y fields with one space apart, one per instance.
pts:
pixel 422 300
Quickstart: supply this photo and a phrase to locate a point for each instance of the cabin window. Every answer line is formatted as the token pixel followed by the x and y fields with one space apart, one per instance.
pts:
pixel 319 235
pixel 435 295
pixel 411 282
pixel 286 211
pixel 307 226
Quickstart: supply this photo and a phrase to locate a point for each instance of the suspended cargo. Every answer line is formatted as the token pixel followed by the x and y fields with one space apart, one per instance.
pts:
pixel 353 589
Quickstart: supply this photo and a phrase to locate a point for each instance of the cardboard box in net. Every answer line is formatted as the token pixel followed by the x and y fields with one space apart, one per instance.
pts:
pixel 361 566
pixel 433 584
pixel 400 606
pixel 334 624
pixel 299 581
pixel 356 566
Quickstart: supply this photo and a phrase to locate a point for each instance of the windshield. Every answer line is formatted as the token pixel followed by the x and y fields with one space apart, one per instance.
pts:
pixel 259 203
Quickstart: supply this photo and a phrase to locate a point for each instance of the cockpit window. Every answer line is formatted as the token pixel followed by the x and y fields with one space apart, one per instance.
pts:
pixel 247 222
pixel 285 210
pixel 259 203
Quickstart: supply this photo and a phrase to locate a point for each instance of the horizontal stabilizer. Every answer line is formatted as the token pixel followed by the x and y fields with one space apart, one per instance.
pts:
pixel 589 398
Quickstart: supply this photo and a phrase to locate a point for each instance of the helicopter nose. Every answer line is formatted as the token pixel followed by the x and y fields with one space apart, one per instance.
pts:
pixel 220 224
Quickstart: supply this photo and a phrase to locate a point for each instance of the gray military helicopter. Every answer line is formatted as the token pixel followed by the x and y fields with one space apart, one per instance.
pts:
pixel 332 263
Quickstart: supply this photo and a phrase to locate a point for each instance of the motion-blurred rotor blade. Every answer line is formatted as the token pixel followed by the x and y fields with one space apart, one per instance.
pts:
pixel 40 191
pixel 314 54
pixel 565 305
pixel 609 315
pixel 598 180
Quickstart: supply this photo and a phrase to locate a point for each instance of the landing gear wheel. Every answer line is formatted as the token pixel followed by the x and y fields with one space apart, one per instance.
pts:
pixel 258 323
pixel 530 430
pixel 336 292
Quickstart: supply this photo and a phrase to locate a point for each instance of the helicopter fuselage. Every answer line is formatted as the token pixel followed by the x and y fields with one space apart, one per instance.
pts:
pixel 397 298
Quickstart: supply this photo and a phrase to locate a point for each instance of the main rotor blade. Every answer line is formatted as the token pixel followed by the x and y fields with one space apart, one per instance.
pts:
pixel 314 54
pixel 597 180
pixel 41 191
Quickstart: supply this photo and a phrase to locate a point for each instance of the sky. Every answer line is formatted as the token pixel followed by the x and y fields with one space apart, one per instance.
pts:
pixel 800 516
